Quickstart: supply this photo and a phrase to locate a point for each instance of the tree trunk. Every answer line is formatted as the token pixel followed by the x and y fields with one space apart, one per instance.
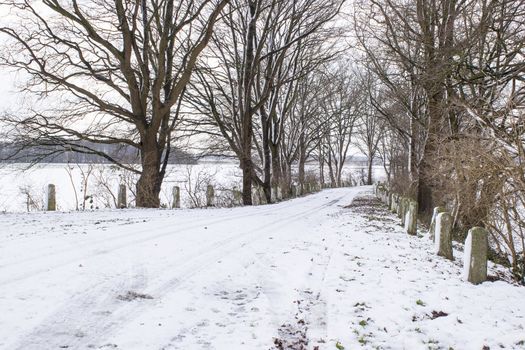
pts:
pixel 276 165
pixel 287 178
pixel 412 158
pixel 150 181
pixel 321 166
pixel 339 174
pixel 267 158
pixel 247 181
pixel 302 172
pixel 333 182
pixel 426 166
pixel 369 179
pixel 247 111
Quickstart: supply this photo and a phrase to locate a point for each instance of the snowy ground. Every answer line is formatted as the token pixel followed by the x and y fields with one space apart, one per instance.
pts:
pixel 316 273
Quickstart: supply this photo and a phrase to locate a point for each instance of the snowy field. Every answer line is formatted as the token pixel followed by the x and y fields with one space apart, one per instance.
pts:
pixel 17 180
pixel 100 182
pixel 318 272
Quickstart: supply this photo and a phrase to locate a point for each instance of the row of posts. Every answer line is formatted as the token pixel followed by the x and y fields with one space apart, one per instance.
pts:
pixel 440 232
pixel 258 195
pixel 51 204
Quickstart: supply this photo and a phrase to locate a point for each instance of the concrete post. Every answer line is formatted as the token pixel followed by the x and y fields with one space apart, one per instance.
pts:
pixel 176 197
pixel 431 230
pixel 411 218
pixel 237 196
pixel 404 210
pixel 443 241
pixel 262 196
pixel 399 208
pixel 274 193
pixel 210 196
pixel 475 256
pixel 255 196
pixel 393 203
pixel 51 198
pixel 122 200
pixel 298 191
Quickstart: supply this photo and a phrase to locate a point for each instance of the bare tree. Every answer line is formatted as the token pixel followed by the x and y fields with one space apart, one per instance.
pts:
pixel 452 93
pixel 419 40
pixel 254 54
pixel 341 103
pixel 110 72
pixel 370 126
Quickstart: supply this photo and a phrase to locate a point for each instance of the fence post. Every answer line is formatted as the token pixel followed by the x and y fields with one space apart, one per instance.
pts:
pixel 210 196
pixel 255 196
pixel 475 255
pixel 404 210
pixel 51 198
pixel 411 218
pixel 176 197
pixel 443 240
pixel 122 200
pixel 392 202
pixel 432 228
pixel 237 196
pixel 262 196
pixel 399 207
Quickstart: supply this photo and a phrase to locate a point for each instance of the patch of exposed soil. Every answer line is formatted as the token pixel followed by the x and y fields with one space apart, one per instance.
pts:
pixel 131 295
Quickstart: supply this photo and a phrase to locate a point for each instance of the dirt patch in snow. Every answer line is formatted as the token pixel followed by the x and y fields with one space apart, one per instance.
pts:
pixel 130 296
pixel 293 335
pixel 370 207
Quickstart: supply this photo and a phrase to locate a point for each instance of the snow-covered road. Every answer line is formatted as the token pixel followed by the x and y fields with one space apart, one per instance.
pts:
pixel 306 270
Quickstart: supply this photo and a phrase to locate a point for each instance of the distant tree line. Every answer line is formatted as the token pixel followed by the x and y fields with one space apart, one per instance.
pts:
pixel 11 153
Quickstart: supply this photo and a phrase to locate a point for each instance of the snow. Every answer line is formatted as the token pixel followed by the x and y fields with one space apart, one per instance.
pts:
pixel 320 269
pixel 437 232
pixel 467 256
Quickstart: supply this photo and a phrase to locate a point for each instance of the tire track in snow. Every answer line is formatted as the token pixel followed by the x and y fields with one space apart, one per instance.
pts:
pixel 104 249
pixel 140 230
pixel 77 326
